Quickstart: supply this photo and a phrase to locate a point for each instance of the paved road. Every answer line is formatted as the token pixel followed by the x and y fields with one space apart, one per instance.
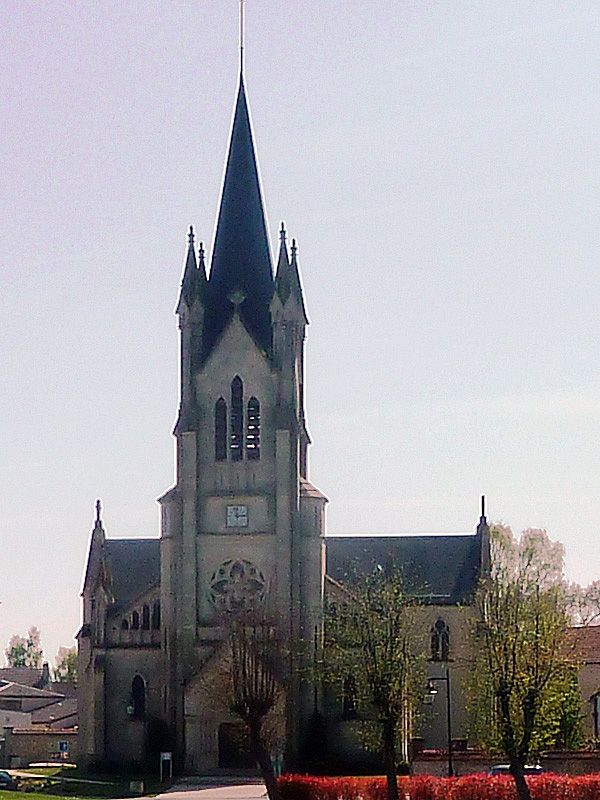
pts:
pixel 205 790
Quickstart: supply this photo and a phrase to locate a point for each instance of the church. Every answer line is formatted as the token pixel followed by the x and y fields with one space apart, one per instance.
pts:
pixel 243 524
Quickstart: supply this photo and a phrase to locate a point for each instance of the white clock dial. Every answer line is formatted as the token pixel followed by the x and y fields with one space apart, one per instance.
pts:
pixel 237 516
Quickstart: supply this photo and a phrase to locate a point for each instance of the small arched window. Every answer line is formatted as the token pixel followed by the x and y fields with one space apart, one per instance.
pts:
pixel 236 444
pixel 220 430
pixel 146 618
pixel 124 625
pixel 138 697
pixel 440 641
pixel 253 430
pixel 135 621
pixel 156 616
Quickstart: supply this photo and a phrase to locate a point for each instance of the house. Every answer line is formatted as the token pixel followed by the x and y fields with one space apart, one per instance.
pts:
pixel 37 724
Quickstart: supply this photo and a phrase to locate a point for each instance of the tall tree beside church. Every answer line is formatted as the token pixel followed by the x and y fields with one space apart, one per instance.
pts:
pixel 254 685
pixel 25 651
pixel 65 665
pixel 245 680
pixel 523 668
pixel 370 646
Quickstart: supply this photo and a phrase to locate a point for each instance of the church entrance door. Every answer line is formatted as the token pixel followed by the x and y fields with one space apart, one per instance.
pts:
pixel 234 747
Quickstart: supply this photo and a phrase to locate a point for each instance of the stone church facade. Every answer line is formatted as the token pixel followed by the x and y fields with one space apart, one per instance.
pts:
pixel 243 524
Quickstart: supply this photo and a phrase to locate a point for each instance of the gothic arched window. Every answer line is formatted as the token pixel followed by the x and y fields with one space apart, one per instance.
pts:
pixel 253 430
pixel 220 430
pixel 124 625
pixel 236 443
pixel 135 621
pixel 138 697
pixel 156 616
pixel 440 641
pixel 146 618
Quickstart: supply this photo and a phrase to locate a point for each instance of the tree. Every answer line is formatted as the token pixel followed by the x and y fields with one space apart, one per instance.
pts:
pixel 523 663
pixel 25 651
pixel 255 647
pixel 370 644
pixel 245 679
pixel 65 668
pixel 584 603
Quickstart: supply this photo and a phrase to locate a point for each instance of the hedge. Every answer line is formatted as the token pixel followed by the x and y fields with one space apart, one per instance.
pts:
pixel 427 787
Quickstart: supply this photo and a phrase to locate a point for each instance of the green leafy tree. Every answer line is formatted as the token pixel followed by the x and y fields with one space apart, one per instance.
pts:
pixel 371 636
pixel 65 669
pixel 25 651
pixel 523 662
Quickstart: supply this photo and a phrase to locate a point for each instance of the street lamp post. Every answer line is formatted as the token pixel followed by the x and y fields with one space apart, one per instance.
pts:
pixel 432 690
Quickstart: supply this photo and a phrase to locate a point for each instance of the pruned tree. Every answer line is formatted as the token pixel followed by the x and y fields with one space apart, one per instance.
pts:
pixel 255 649
pixel 65 668
pixel 245 678
pixel 372 645
pixel 523 662
pixel 25 651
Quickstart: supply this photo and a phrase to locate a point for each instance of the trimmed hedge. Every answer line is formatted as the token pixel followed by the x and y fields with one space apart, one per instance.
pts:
pixel 427 787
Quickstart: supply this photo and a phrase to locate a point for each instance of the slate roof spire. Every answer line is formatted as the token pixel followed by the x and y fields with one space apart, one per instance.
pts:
pixel 287 282
pixel 241 259
pixel 193 282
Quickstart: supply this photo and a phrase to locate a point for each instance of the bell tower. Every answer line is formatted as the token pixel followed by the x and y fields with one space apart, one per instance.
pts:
pixel 242 523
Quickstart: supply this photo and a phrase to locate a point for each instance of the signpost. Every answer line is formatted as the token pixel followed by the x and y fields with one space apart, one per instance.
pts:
pixel 166 764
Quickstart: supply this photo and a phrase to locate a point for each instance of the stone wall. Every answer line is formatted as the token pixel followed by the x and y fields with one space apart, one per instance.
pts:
pixel 30 747
pixel 563 763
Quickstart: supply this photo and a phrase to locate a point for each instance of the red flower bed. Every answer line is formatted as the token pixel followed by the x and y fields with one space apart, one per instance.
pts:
pixel 426 787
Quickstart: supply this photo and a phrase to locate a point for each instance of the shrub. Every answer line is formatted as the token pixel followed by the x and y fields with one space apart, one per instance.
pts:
pixel 427 787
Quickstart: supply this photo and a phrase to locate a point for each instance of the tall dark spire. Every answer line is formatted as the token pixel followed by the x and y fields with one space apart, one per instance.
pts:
pixel 241 260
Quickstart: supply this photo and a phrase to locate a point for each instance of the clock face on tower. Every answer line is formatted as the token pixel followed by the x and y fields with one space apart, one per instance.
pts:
pixel 237 516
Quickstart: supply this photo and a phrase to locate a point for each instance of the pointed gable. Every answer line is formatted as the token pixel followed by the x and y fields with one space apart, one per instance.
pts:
pixel 241 272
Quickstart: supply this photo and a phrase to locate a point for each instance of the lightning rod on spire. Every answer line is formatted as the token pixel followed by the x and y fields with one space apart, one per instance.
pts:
pixel 241 38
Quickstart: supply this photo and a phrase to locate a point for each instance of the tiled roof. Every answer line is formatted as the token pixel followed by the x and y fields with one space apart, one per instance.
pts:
pixel 55 712
pixel 308 490
pixel 439 569
pixel 18 690
pixel 586 643
pixel 26 676
pixel 134 567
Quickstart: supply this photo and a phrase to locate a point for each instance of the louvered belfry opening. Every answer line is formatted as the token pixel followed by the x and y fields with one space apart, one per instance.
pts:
pixel 236 442
pixel 253 430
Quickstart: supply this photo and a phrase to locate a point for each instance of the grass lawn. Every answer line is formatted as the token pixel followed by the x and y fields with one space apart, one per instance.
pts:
pixel 51 782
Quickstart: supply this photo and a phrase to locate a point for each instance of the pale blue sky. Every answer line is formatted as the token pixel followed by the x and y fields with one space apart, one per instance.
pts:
pixel 439 165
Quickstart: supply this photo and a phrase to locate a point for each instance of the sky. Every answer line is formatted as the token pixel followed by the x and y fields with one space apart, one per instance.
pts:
pixel 439 166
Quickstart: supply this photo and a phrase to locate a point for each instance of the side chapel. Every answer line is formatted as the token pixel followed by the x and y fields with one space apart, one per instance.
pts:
pixel 243 524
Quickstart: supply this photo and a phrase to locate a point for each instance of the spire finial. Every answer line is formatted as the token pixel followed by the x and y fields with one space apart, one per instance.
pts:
pixel 294 248
pixel 98 510
pixel 282 233
pixel 201 255
pixel 241 38
pixel 191 235
pixel 482 506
